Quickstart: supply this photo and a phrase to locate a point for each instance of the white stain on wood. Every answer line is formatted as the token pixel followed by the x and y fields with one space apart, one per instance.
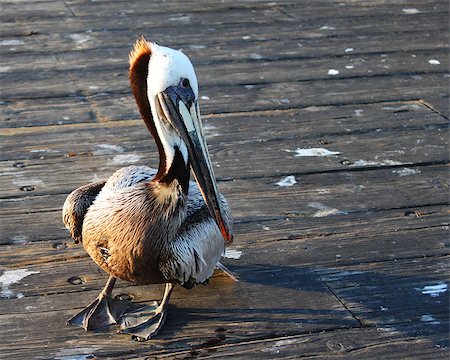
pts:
pixel 324 210
pixel 10 277
pixel 405 172
pixel 287 181
pixel 362 162
pixel 278 345
pixel 11 42
pixel 255 56
pixel 125 159
pixel 232 254
pixel 327 27
pixel 107 149
pixel 411 11
pixel 429 319
pixel 21 181
pixel 76 353
pixel 80 39
pixel 313 152
pixel 433 290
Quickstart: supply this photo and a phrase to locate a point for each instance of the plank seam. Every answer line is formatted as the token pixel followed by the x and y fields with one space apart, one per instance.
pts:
pixel 432 108
pixel 338 299
pixel 69 9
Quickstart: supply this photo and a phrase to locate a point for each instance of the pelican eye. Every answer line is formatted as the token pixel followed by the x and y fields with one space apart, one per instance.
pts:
pixel 185 83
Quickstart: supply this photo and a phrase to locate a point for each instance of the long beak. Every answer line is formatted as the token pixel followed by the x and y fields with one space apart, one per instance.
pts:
pixel 178 107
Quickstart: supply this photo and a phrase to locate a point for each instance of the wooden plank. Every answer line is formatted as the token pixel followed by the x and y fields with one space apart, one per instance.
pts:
pixel 224 38
pixel 193 13
pixel 98 79
pixel 286 95
pixel 431 179
pixel 236 51
pixel 18 11
pixel 74 171
pixel 58 111
pixel 256 134
pixel 322 262
pixel 384 235
pixel 314 122
pixel 392 292
pixel 365 343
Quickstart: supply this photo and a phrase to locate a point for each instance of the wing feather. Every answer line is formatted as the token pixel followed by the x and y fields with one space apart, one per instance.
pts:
pixel 76 206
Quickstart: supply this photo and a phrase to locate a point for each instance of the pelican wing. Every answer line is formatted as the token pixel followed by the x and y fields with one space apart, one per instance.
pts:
pixel 76 206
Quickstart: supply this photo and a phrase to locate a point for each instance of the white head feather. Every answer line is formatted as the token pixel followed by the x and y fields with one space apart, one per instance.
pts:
pixel 167 67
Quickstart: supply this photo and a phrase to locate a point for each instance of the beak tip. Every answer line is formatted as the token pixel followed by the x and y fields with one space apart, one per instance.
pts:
pixel 227 234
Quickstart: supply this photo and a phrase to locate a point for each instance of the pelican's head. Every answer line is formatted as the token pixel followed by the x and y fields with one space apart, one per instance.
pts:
pixel 165 87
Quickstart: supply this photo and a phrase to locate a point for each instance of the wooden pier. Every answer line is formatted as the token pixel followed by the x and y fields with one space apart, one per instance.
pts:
pixel 327 123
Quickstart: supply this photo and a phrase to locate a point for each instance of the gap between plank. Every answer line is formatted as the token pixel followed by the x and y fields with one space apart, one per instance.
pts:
pixel 338 299
pixel 431 107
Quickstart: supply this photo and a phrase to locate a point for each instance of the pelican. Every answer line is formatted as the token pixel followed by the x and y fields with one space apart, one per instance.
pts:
pixel 149 226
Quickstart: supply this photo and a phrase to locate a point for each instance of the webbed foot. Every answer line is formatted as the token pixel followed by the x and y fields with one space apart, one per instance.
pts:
pixel 102 312
pixel 146 321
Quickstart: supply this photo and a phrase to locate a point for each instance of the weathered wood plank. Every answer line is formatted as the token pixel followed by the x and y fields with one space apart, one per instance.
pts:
pixel 285 95
pixel 225 43
pixel 52 179
pixel 63 149
pixel 362 185
pixel 98 79
pixel 311 122
pixel 173 15
pixel 383 234
pixel 240 50
pixel 413 291
pixel 363 343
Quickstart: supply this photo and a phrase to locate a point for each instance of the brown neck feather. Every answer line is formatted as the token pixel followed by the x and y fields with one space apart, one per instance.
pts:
pixel 139 59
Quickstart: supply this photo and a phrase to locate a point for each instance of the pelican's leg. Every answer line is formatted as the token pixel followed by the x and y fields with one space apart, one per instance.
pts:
pixel 146 321
pixel 102 312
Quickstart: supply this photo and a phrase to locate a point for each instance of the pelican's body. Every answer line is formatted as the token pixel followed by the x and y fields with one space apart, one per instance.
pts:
pixel 151 226
pixel 147 233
